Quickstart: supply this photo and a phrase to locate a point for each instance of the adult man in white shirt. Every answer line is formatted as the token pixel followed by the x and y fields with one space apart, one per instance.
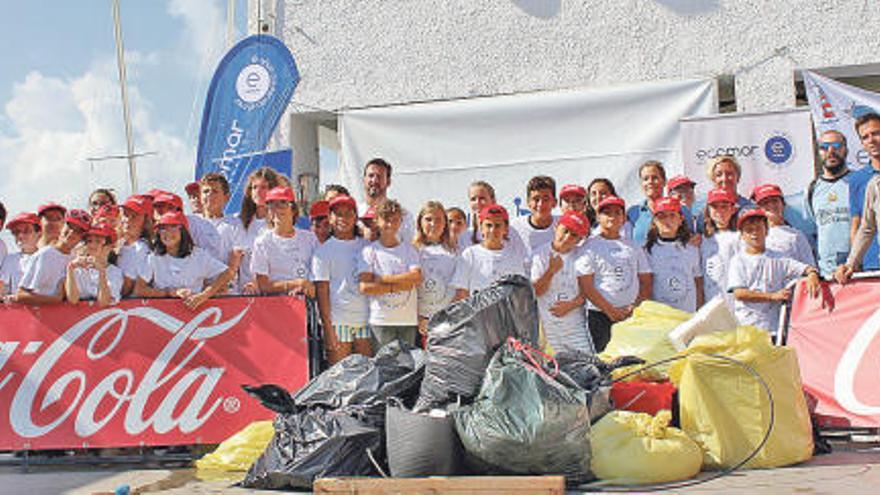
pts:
pixel 377 179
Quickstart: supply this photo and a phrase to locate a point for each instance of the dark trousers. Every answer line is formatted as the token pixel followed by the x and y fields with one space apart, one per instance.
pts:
pixel 600 329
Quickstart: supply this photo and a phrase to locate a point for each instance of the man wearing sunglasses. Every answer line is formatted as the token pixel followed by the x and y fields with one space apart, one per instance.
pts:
pixel 827 203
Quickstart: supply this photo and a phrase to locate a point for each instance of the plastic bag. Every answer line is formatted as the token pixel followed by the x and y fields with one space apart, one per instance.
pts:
pixel 239 451
pixel 419 444
pixel 644 334
pixel 463 337
pixel 714 316
pixel 315 443
pixel 594 376
pixel 726 411
pixel 526 422
pixel 637 448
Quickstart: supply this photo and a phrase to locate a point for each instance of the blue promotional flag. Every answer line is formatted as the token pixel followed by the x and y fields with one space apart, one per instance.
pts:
pixel 248 94
pixel 280 161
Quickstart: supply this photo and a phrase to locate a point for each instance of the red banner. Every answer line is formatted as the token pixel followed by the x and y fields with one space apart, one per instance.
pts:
pixel 143 372
pixel 839 351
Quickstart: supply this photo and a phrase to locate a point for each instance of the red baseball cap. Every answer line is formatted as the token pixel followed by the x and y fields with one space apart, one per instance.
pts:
pixel 342 199
pixel 169 199
pixel 720 195
pixel 750 213
pixel 140 204
pixel 50 206
pixel 765 191
pixel 679 180
pixel 572 190
pixel 107 211
pixel 280 193
pixel 24 218
pixel 319 209
pixel 493 211
pixel 576 222
pixel 611 201
pixel 369 214
pixel 104 230
pixel 152 193
pixel 192 188
pixel 173 218
pixel 667 204
pixel 79 218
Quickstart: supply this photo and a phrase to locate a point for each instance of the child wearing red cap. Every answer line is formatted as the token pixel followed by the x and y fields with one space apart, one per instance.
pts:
pixel 344 310
pixel 204 233
pixel 495 256
pixel 573 197
pixel 194 195
pixel 678 276
pixel 555 280
pixel 253 214
pixel 51 222
pixel 782 239
pixel 42 280
pixel 389 273
pixel 136 231
pixel 25 228
pixel 438 258
pixel 720 242
pixel 178 268
pixel 613 273
pixel 90 274
pixel 758 279
pixel 282 256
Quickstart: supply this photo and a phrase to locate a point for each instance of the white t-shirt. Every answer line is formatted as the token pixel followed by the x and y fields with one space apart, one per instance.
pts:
pixel 244 240
pixel 715 254
pixel 675 267
pixel 167 272
pixel 765 272
pixel 615 265
pixel 12 269
pixel 438 266
pixel 284 258
pixel 45 272
pixel 227 227
pixel 87 282
pixel 465 241
pixel 395 308
pixel 532 237
pixel 336 261
pixel 479 267
pixel 407 223
pixel 788 242
pixel 205 236
pixel 132 257
pixel 3 251
pixel 568 332
pixel 626 230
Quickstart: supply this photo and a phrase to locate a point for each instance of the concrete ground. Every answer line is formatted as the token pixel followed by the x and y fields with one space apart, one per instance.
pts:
pixel 851 470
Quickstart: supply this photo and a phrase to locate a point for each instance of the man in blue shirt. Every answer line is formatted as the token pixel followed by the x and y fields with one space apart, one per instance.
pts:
pixel 868 130
pixel 827 203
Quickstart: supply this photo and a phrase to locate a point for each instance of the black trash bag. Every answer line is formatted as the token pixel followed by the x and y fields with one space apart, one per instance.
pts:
pixel 272 397
pixel 463 337
pixel 420 445
pixel 366 383
pixel 527 422
pixel 315 443
pixel 594 376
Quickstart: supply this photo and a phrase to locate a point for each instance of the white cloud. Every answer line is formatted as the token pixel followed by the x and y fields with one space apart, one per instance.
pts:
pixel 204 33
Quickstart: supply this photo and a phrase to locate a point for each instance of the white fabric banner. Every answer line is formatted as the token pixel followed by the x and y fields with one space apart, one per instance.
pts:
pixel 836 106
pixel 774 147
pixel 437 149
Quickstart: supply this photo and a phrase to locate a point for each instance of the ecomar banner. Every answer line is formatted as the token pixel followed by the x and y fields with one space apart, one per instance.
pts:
pixel 837 339
pixel 143 372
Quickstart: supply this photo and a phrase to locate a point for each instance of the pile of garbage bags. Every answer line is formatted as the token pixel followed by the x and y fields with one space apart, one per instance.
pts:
pixel 484 399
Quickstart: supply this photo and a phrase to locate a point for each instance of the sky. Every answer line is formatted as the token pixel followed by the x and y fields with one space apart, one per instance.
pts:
pixel 60 100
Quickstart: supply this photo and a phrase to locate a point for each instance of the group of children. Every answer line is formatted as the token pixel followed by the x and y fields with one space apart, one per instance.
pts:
pixel 374 283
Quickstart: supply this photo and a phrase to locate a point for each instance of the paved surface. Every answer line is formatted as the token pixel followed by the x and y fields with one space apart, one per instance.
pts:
pixel 852 471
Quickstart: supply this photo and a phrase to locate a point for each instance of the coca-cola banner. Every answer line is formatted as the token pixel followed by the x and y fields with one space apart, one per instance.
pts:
pixel 839 352
pixel 143 372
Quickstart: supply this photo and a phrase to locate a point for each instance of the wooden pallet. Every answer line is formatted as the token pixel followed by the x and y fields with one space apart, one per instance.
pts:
pixel 476 485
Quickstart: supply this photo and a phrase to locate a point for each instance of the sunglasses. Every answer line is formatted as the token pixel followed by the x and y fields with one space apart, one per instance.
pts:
pixel 837 145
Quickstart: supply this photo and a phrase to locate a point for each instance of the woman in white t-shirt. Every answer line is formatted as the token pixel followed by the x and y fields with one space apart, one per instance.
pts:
pixel 495 256
pixel 720 243
pixel 90 274
pixel 177 268
pixel 678 278
pixel 25 228
pixel 137 235
pixel 344 310
pixel 438 258
pixel 282 257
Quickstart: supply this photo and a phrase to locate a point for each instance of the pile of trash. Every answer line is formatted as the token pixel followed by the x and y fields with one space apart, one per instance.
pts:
pixel 485 399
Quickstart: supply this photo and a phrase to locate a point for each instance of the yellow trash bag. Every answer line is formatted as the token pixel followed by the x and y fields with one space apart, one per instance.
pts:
pixel 644 334
pixel 636 448
pixel 239 451
pixel 726 410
